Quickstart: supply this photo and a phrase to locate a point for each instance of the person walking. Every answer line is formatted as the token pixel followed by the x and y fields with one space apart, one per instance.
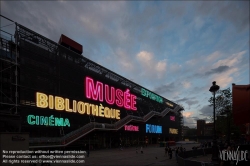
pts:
pixel 170 153
pixel 121 147
pixel 87 149
pixel 176 154
pixel 141 150
pixel 166 150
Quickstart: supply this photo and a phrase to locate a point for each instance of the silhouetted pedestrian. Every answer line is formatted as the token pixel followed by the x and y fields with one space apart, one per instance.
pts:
pixel 166 150
pixel 170 153
pixel 87 149
pixel 176 152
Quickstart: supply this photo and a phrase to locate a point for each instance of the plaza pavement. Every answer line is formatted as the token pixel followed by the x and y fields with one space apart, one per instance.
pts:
pixel 152 155
pixel 207 158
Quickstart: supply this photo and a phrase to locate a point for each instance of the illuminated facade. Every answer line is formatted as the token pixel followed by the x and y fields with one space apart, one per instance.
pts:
pixel 64 97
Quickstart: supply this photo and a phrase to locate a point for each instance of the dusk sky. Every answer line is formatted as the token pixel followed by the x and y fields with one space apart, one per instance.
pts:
pixel 176 49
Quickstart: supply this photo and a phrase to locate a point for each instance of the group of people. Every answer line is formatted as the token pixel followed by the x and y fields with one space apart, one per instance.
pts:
pixel 169 151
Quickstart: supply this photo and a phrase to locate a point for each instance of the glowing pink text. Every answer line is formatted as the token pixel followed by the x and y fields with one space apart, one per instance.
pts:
pixel 131 128
pixel 110 94
pixel 172 118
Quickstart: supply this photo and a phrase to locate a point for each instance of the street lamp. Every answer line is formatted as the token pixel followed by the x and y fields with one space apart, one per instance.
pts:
pixel 213 89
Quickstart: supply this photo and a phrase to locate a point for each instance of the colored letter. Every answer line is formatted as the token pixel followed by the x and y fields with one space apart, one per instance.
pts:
pixel 31 119
pixel 101 110
pixel 119 100
pixel 133 102
pixel 58 121
pixel 86 108
pixel 92 91
pixel 147 128
pixel 51 102
pixel 44 120
pixel 112 113
pixel 80 107
pixel 41 100
pixel 143 92
pixel 110 100
pixel 74 106
pixel 117 114
pixel 66 122
pixel 59 103
pixel 94 109
pixel 127 99
pixel 107 112
pixel 67 105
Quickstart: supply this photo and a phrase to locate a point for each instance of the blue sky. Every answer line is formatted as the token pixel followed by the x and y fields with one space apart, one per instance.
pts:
pixel 174 48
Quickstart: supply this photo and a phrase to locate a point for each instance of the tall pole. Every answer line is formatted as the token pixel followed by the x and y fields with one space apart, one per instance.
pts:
pixel 214 118
pixel 215 151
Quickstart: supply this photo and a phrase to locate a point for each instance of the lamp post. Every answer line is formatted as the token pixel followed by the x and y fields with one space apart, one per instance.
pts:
pixel 215 152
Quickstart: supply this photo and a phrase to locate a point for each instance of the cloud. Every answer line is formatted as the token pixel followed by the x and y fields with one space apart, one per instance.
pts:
pixel 206 110
pixel 161 66
pixel 187 114
pixel 145 58
pixel 192 62
pixel 198 23
pixel 182 100
pixel 191 102
pixel 165 88
pixel 186 84
pixel 236 13
pixel 124 60
pixel 224 70
pixel 233 60
pixel 214 56
pixel 219 69
pixel 150 65
pixel 188 100
pixel 188 119
pixel 225 78
pixel 175 67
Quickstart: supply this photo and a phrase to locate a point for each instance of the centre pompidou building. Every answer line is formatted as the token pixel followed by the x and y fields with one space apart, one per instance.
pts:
pixel 61 98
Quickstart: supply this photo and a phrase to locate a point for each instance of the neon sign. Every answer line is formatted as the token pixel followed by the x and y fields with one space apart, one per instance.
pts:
pixel 172 118
pixel 111 95
pixel 47 121
pixel 131 128
pixel 63 104
pixel 173 131
pixel 169 104
pixel 151 95
pixel 153 129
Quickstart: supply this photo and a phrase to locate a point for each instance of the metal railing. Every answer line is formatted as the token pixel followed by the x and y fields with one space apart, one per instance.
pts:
pixel 77 134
